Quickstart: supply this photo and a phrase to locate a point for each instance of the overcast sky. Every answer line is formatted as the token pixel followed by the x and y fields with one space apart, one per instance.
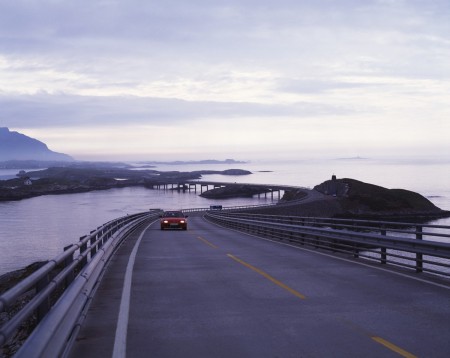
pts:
pixel 243 79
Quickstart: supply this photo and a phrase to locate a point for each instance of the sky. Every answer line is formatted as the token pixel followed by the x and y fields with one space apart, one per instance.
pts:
pixel 214 79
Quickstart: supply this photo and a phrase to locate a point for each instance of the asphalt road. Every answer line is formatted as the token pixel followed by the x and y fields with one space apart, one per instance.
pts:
pixel 212 292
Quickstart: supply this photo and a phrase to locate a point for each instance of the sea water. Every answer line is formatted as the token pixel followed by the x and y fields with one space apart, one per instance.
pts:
pixel 39 228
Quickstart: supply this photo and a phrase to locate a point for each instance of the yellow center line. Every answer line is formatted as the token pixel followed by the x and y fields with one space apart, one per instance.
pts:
pixel 207 242
pixel 267 276
pixel 393 347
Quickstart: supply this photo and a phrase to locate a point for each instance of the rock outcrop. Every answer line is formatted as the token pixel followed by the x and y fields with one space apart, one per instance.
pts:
pixel 353 198
pixel 234 191
pixel 71 179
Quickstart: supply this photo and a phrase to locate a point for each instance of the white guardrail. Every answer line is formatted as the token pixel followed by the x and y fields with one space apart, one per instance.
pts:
pixel 61 289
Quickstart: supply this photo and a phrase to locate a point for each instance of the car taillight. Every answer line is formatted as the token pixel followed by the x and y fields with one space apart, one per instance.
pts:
pixel 166 221
pixel 182 221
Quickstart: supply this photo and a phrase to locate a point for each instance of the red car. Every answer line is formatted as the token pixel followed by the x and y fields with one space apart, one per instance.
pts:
pixel 173 220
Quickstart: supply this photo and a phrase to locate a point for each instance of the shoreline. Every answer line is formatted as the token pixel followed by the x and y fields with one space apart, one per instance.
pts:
pixel 10 278
pixel 388 205
pixel 61 180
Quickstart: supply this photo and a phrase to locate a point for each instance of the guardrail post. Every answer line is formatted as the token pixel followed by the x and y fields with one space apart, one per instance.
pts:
pixel 419 257
pixel 102 239
pixel 104 235
pixel 109 228
pixel 291 233
pixel 83 248
pixel 70 277
pixel 383 249
pixel 93 247
pixel 44 307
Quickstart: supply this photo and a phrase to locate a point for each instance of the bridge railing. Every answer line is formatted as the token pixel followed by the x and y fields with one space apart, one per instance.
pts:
pixel 226 208
pixel 62 288
pixel 421 247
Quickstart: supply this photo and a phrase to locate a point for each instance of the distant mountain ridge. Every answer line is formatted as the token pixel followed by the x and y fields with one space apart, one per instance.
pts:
pixel 17 146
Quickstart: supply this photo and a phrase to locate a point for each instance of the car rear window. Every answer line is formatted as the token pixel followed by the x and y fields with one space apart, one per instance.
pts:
pixel 173 214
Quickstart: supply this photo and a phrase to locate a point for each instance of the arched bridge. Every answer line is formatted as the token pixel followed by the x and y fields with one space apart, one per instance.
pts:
pixel 240 285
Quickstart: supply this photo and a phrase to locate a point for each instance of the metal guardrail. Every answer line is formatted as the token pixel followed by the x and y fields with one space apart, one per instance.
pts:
pixel 424 248
pixel 225 208
pixel 244 207
pixel 63 287
pixel 65 284
pixel 212 182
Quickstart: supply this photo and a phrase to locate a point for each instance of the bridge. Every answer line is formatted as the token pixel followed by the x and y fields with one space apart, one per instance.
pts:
pixel 238 284
pixel 205 185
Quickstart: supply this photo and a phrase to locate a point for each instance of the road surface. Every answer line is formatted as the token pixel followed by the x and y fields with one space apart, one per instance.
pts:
pixel 213 292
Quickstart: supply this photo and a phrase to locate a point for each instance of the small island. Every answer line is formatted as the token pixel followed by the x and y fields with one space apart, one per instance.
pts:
pixel 234 191
pixel 350 198
pixel 83 178
pixel 332 198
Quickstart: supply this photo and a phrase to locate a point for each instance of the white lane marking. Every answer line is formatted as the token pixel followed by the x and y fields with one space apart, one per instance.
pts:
pixel 120 341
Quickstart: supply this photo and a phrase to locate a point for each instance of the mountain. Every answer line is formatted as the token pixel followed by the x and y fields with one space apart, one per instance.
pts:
pixel 17 146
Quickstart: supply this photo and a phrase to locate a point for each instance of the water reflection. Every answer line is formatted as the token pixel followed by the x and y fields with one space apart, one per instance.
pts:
pixel 39 228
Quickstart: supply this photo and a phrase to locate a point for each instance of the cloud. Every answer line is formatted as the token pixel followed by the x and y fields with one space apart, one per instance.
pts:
pixel 51 110
pixel 313 85
pixel 127 47
pixel 315 64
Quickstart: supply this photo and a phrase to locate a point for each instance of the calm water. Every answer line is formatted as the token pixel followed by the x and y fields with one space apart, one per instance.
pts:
pixel 38 228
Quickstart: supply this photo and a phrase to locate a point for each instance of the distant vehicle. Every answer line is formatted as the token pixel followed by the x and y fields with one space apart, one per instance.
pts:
pixel 215 207
pixel 173 220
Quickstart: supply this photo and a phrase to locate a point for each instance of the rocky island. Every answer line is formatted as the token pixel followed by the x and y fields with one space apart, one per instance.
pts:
pixel 332 198
pixel 234 191
pixel 350 198
pixel 77 179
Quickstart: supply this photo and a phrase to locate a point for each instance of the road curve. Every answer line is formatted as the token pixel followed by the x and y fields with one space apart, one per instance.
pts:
pixel 212 292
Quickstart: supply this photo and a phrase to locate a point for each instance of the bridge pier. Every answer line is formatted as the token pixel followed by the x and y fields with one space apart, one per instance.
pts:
pixel 271 191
